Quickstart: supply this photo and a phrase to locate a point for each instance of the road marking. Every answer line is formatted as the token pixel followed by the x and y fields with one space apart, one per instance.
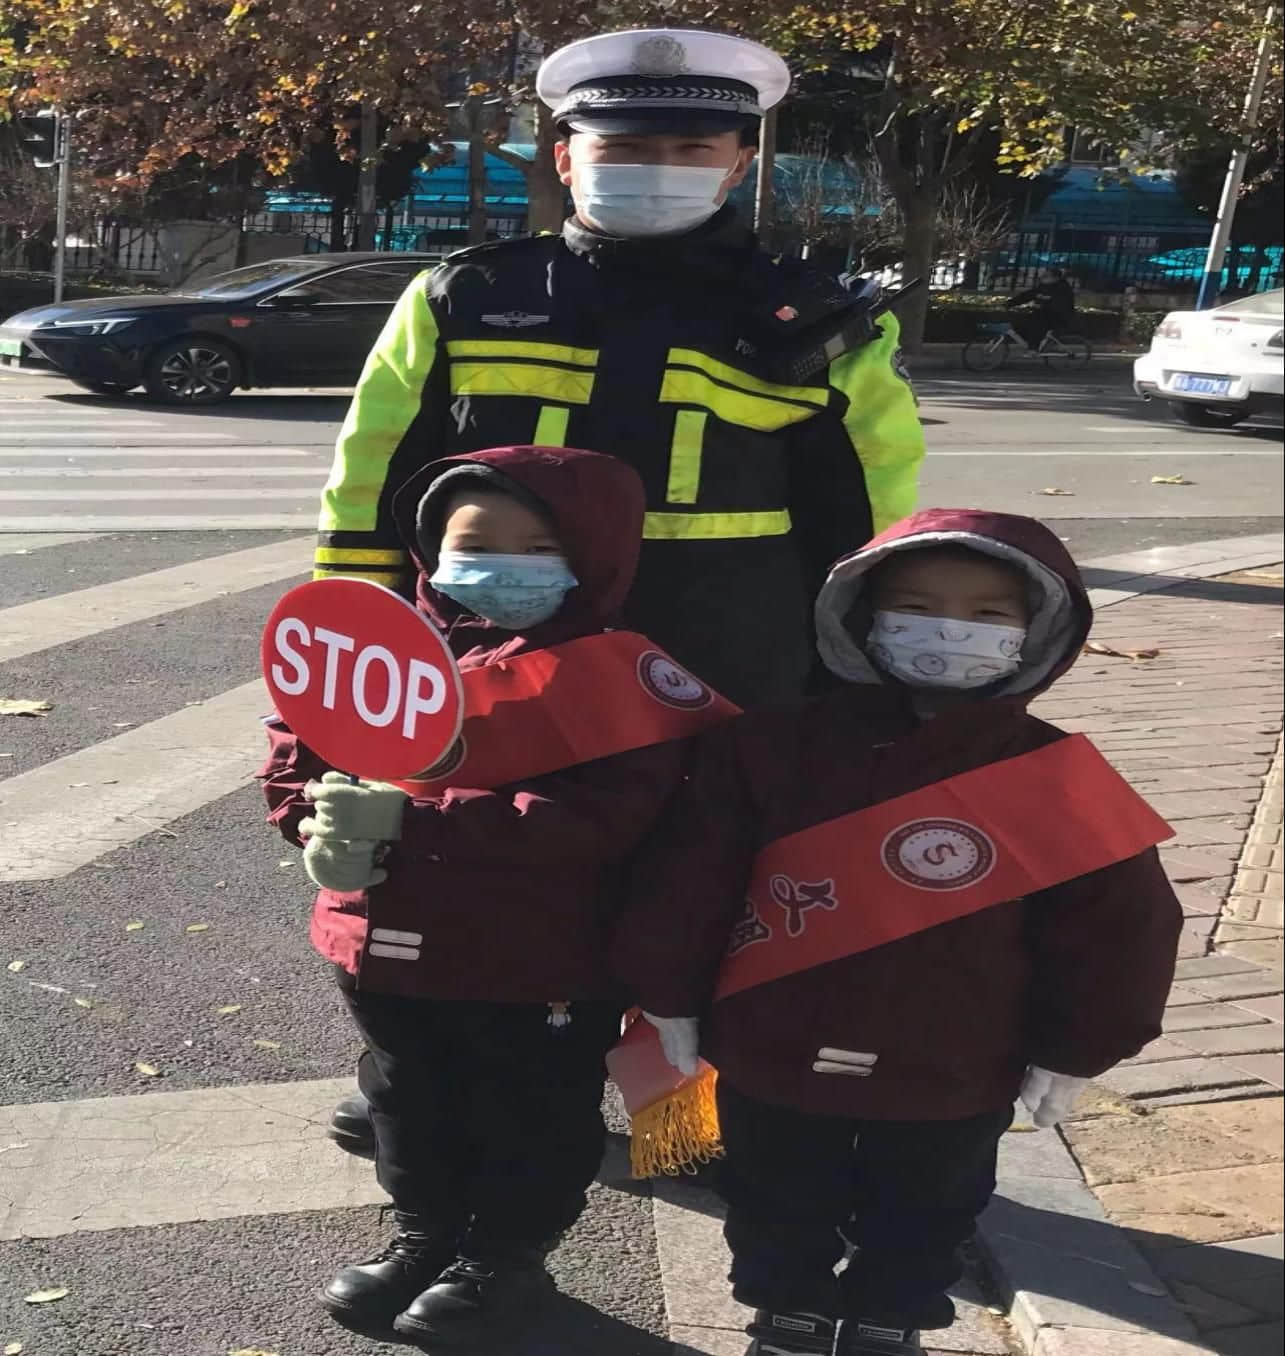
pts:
pixel 186 522
pixel 266 449
pixel 31 627
pixel 162 472
pixel 175 1157
pixel 79 496
pixel 19 543
pixel 100 436
pixel 142 780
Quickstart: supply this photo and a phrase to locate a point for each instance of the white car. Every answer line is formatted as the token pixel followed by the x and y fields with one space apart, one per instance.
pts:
pixel 1215 368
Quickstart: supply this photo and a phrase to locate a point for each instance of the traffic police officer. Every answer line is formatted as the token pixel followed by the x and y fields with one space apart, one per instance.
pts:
pixel 763 407
pixel 771 438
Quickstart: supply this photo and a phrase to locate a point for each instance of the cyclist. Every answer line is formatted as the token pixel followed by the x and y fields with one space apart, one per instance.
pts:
pixel 1054 300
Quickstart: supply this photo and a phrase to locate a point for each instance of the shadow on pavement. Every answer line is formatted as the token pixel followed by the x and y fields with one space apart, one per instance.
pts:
pixel 1207 590
pixel 301 407
pixel 1087 1272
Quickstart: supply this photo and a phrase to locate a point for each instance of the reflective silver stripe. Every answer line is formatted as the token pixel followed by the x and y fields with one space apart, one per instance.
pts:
pixel 394 952
pixel 392 935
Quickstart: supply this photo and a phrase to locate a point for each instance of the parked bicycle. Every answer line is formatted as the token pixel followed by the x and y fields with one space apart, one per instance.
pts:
pixel 994 344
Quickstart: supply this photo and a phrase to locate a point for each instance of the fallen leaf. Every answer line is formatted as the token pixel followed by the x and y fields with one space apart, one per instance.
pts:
pixel 1098 647
pixel 228 1009
pixel 148 1070
pixel 122 725
pixel 23 706
pixel 76 786
pixel 1171 480
pixel 135 926
pixel 220 885
pixel 47 1296
pixel 1052 489
pixel 284 866
pixel 251 1351
pixel 16 967
pixel 267 1045
pixel 13 1348
pixel 1022 1129
pixel 197 927
pixel 82 1002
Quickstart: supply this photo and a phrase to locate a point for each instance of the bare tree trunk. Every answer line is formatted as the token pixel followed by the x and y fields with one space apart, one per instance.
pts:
pixel 546 197
pixel 919 211
pixel 367 220
pixel 476 173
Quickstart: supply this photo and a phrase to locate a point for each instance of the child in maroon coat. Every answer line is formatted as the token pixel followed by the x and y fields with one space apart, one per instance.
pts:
pixel 469 923
pixel 893 910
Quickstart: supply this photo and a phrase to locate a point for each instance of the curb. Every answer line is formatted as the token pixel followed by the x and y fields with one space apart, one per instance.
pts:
pixel 1073 1281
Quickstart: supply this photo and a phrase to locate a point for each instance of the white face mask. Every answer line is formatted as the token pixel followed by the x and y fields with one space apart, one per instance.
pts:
pixel 645 200
pixel 942 652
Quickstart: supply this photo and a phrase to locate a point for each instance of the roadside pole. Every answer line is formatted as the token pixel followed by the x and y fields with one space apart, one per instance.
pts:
pixel 765 187
pixel 368 148
pixel 64 192
pixel 1211 283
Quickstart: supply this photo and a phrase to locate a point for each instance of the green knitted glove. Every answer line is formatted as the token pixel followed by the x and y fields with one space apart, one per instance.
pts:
pixel 356 811
pixel 336 865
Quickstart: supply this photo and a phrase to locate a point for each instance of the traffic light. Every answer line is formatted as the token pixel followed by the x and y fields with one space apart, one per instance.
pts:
pixel 38 135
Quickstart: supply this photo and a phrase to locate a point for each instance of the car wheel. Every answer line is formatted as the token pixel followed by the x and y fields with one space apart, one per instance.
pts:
pixel 107 388
pixel 192 371
pixel 1208 416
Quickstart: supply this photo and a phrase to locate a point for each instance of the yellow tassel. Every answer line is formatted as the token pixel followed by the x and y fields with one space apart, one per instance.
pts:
pixel 678 1132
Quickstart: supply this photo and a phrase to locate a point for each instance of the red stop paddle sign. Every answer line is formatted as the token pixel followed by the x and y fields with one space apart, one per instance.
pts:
pixel 361 677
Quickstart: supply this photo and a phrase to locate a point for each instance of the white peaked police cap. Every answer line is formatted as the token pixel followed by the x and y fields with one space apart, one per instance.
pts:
pixel 661 80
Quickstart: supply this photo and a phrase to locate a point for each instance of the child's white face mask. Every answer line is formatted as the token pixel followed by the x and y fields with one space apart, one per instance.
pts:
pixel 942 652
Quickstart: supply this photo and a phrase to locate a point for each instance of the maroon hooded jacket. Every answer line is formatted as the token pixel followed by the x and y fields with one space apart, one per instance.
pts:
pixel 1073 978
pixel 511 889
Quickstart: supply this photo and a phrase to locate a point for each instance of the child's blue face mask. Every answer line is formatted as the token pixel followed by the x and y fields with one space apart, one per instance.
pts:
pixel 514 592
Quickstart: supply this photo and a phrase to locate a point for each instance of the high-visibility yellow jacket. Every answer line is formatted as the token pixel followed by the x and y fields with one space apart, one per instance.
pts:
pixel 652 353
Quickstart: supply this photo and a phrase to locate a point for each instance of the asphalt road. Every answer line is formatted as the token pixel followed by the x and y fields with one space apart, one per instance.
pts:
pixel 95 995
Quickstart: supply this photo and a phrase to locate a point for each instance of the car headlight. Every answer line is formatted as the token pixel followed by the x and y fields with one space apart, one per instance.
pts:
pixel 1168 328
pixel 107 325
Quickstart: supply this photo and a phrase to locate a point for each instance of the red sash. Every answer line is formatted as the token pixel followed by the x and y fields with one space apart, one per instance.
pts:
pixel 939 853
pixel 570 704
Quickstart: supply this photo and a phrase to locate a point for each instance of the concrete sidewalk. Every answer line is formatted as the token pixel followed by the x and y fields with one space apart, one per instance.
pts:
pixel 1150 1225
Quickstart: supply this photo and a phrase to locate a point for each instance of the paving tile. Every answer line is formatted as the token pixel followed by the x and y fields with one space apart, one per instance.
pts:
pixel 1264 984
pixel 1094 1342
pixel 1209 1309
pixel 1175 1075
pixel 1267 1038
pixel 1199 1206
pixel 1268 1068
pixel 1272 1008
pixel 1211 965
pixel 1182 993
pixel 1161 1049
pixel 1203 1016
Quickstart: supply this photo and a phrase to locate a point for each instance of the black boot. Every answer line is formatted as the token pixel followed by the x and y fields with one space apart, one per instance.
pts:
pixel 793 1333
pixel 369 1295
pixel 473 1302
pixel 875 1337
pixel 350 1127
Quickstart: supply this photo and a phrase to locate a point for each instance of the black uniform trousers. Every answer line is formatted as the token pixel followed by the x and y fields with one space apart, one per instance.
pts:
pixel 488 1119
pixel 905 1194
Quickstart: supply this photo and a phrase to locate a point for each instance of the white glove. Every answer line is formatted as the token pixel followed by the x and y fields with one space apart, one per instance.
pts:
pixel 354 811
pixel 680 1040
pixel 1050 1097
pixel 336 865
pixel 854 1063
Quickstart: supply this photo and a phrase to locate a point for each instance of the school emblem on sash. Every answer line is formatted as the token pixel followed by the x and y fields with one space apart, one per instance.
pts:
pixel 670 684
pixel 938 854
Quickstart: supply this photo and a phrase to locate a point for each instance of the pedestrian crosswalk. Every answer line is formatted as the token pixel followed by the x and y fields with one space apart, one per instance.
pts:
pixel 140 1129
pixel 77 465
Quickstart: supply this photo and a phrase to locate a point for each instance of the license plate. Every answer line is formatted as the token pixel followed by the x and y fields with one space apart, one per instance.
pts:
pixel 1198 385
pixel 11 348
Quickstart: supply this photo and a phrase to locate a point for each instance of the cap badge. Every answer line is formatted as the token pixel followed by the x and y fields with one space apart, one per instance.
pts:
pixel 660 55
